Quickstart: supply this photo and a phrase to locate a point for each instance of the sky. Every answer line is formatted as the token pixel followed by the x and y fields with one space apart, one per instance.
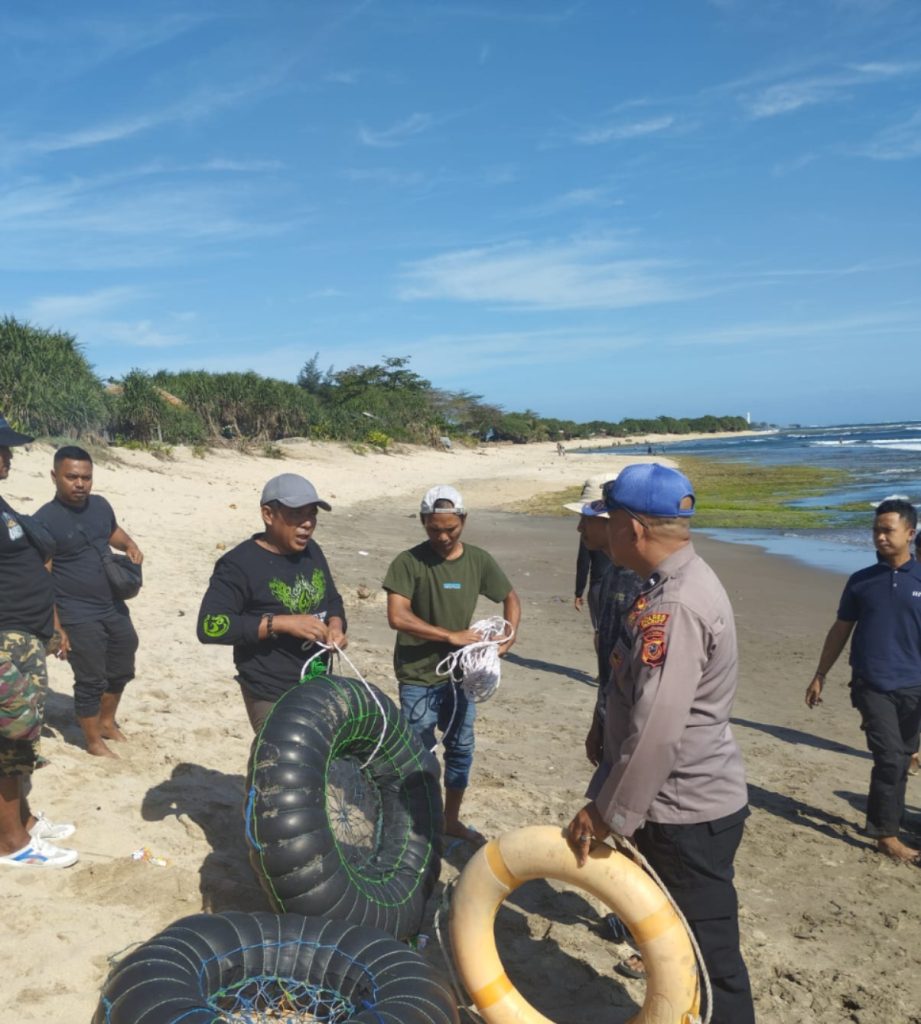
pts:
pixel 587 208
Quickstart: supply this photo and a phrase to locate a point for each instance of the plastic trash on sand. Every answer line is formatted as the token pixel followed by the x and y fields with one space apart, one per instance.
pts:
pixel 145 853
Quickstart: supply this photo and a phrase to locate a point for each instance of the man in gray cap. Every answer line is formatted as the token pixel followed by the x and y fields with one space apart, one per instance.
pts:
pixel 273 598
pixel 26 626
pixel 672 778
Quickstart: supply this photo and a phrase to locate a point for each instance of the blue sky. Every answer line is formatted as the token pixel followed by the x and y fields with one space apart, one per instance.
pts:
pixel 592 209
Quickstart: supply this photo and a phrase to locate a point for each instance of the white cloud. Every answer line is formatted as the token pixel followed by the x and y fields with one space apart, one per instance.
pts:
pixel 193 107
pixel 60 309
pixel 577 275
pixel 795 94
pixel 625 130
pixel 865 325
pixel 900 141
pixel 398 133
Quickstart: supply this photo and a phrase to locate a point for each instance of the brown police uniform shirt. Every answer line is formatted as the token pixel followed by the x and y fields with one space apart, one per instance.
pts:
pixel 669 752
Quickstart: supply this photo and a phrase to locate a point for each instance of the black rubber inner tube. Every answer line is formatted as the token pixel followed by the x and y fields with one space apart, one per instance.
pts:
pixel 344 813
pixel 212 968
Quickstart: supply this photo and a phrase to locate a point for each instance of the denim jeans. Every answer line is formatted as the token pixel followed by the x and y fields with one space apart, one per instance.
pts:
pixel 446 707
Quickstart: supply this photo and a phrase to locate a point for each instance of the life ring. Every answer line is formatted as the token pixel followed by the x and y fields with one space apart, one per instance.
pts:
pixel 672 993
pixel 271 967
pixel 303 848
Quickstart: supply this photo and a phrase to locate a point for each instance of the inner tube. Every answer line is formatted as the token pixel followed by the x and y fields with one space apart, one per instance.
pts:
pixel 497 869
pixel 336 738
pixel 270 967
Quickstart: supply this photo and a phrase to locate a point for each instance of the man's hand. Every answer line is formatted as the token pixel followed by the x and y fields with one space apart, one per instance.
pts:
pixel 814 691
pixel 304 627
pixel 462 637
pixel 578 602
pixel 594 741
pixel 134 553
pixel 335 637
pixel 63 643
pixel 585 827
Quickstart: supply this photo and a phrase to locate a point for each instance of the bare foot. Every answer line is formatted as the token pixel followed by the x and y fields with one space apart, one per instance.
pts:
pixel 469 835
pixel 632 967
pixel 894 848
pixel 98 748
pixel 111 731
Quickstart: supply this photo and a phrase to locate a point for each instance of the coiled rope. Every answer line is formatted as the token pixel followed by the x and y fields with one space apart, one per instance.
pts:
pixel 477 664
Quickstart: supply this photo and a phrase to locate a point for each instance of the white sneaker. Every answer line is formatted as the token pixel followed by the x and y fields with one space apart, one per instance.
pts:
pixel 45 829
pixel 40 854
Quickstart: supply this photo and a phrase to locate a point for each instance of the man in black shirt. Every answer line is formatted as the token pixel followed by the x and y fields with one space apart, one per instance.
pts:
pixel 273 598
pixel 98 636
pixel 26 625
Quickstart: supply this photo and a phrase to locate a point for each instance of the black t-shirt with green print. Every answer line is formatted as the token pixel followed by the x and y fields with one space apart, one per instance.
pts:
pixel 248 583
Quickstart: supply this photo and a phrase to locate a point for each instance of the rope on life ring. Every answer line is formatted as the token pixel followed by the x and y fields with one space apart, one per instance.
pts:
pixel 273 969
pixel 343 814
pixel 497 869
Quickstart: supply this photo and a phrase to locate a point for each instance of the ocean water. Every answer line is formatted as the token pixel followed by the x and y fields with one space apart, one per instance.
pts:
pixel 883 460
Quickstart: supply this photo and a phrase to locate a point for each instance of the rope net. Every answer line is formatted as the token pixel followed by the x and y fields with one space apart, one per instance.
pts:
pixel 275 999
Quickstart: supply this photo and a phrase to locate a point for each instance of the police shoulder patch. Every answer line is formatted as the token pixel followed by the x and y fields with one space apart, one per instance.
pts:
pixel 654 645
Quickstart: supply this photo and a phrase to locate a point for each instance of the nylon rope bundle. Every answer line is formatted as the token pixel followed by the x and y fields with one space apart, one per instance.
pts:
pixel 478 663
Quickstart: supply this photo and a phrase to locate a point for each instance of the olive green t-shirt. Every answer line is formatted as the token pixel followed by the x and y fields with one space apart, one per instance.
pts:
pixel 443 593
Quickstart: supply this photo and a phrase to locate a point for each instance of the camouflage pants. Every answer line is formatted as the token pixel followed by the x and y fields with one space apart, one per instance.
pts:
pixel 23 682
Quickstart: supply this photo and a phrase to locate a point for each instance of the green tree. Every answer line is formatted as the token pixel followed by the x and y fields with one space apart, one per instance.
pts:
pixel 47 386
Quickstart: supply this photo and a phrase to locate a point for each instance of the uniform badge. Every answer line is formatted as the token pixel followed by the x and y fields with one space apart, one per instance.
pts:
pixel 639 606
pixel 653 640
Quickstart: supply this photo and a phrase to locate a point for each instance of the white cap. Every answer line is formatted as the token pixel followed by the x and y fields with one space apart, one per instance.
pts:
pixel 442 492
pixel 591 491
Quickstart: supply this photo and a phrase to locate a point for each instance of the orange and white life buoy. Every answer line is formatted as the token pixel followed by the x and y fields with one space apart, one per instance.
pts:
pixel 672 992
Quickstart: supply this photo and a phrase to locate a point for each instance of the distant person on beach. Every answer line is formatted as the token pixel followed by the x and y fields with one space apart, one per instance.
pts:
pixel 432 591
pixel 274 600
pixel 617 590
pixel 671 778
pixel 26 628
pixel 591 561
pixel 98 637
pixel 883 602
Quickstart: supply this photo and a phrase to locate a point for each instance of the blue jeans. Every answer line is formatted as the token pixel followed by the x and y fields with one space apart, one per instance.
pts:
pixel 426 707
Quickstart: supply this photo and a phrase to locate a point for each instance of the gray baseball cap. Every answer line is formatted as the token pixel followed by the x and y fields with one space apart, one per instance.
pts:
pixel 292 491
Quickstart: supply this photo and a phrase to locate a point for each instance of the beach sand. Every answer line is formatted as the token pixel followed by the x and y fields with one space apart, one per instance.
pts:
pixel 830 929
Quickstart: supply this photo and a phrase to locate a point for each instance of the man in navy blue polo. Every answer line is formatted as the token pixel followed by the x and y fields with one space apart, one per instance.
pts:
pixel 884 602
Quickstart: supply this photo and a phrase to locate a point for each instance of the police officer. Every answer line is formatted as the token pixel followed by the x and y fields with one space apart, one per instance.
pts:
pixel 671 776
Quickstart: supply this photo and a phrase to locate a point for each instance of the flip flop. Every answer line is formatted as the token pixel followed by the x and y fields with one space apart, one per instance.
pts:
pixel 469 835
pixel 625 969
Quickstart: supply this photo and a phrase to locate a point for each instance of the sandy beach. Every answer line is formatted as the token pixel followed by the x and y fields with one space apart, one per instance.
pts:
pixel 830 928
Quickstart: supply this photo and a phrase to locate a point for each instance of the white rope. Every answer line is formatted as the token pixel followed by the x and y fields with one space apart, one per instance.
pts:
pixel 478 663
pixel 336 649
pixel 701 968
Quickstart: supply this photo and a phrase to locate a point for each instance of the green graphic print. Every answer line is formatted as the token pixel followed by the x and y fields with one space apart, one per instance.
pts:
pixel 305 596
pixel 215 625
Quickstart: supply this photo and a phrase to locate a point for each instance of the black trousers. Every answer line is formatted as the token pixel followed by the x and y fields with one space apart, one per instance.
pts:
pixel 102 658
pixel 695 862
pixel 891 721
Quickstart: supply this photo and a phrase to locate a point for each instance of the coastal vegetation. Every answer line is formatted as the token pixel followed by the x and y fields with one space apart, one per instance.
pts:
pixel 745 496
pixel 48 387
